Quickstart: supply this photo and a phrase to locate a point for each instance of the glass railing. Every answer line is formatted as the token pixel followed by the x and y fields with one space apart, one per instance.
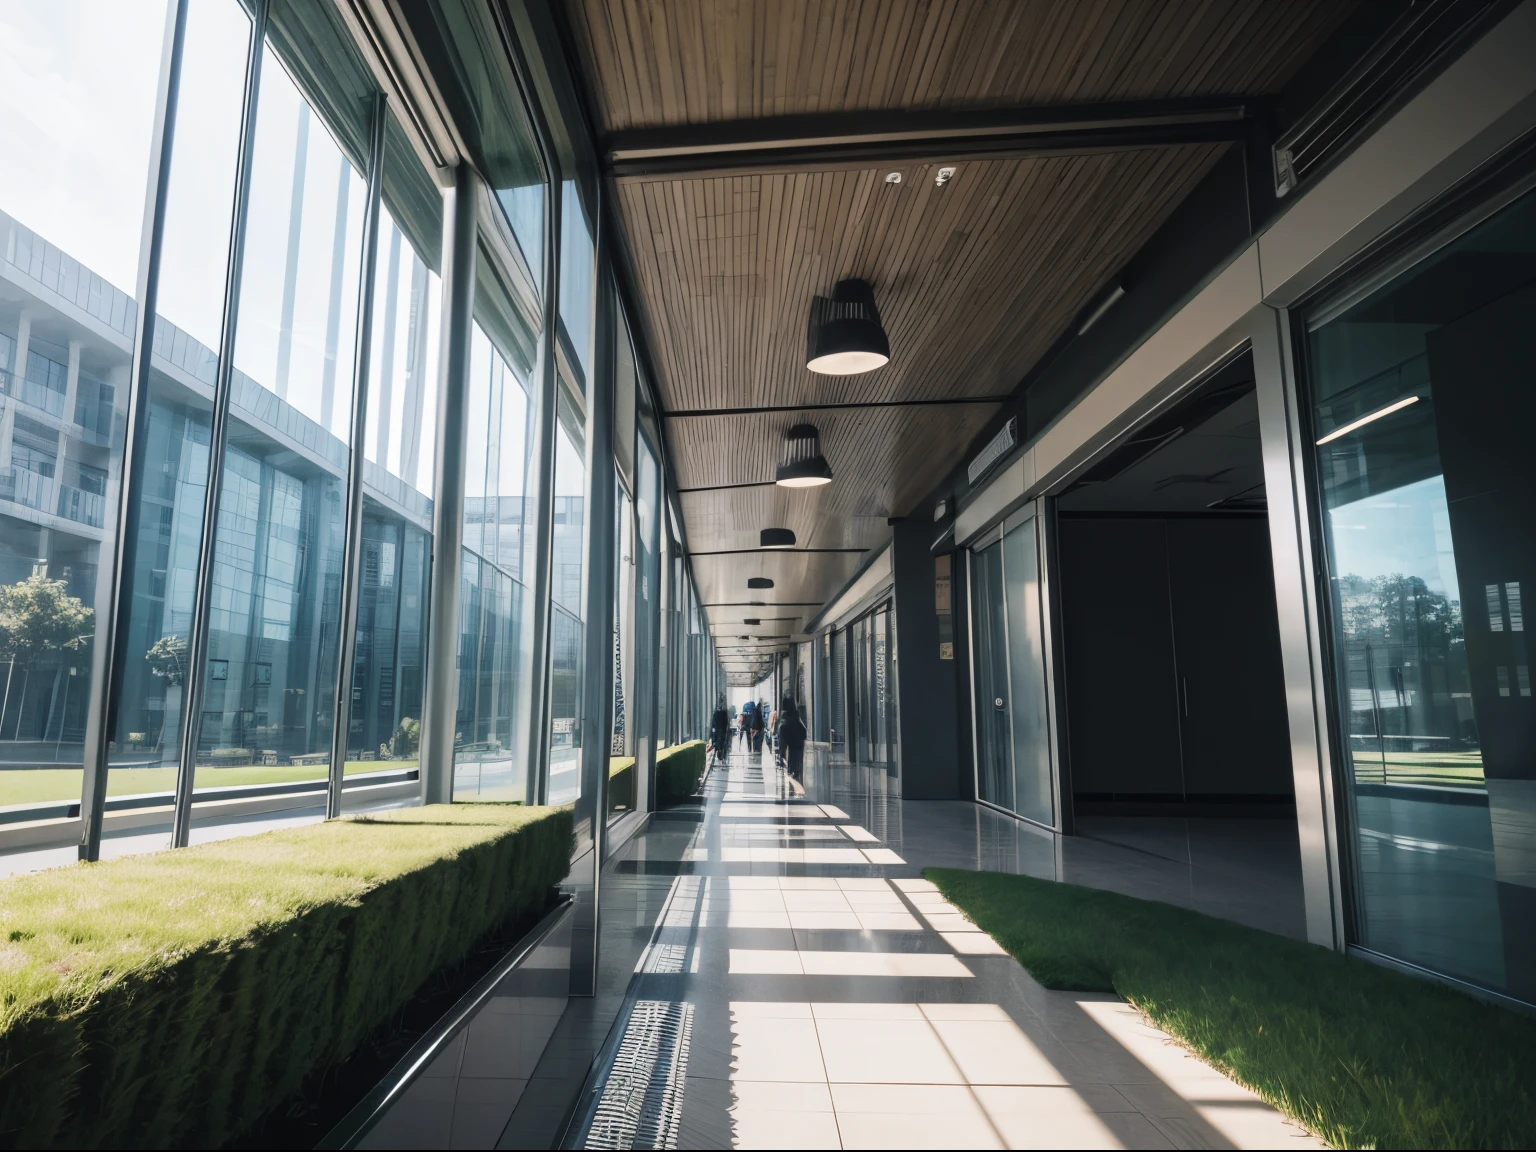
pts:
pixel 31 392
pixel 81 506
pixel 27 488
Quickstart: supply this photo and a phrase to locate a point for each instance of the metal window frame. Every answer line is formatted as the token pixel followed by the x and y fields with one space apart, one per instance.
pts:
pixel 439 714
pixel 106 663
pixel 352 532
pixel 218 435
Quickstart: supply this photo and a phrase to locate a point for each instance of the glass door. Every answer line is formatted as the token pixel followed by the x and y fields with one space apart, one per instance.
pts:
pixel 1033 794
pixel 994 776
pixel 1012 717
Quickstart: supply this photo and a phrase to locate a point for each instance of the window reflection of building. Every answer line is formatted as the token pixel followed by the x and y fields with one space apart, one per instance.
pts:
pixel 1420 393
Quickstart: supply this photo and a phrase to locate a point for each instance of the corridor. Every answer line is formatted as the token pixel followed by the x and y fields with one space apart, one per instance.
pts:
pixel 805 987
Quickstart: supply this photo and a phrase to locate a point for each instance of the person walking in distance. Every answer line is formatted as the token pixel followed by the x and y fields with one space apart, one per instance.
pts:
pixel 758 713
pixel 720 731
pixel 789 732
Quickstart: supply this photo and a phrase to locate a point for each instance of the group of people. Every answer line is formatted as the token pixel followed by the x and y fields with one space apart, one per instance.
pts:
pixel 783 726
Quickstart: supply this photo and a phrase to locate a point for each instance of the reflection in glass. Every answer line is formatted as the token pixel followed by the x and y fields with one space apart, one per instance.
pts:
pixel 994 778
pixel 77 103
pixel 274 623
pixel 1033 795
pixel 165 531
pixel 566 620
pixel 1421 407
pixel 389 664
pixel 493 647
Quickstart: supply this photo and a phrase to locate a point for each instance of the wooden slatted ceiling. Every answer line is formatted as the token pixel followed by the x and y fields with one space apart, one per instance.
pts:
pixel 880 457
pixel 974 280
pixel 654 62
pixel 724 578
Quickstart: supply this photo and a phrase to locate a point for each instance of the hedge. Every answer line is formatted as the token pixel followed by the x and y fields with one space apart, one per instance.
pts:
pixel 678 772
pixel 621 782
pixel 175 998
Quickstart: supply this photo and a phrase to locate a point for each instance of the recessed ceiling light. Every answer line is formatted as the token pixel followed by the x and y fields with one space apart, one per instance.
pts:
pixel 893 177
pixel 944 177
pixel 844 336
pixel 804 466
pixel 776 538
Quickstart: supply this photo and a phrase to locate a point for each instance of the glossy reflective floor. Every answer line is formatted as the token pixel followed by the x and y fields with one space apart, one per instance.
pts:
pixel 804 987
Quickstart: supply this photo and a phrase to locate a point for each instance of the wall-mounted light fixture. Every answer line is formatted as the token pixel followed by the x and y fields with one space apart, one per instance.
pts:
pixel 845 335
pixel 804 466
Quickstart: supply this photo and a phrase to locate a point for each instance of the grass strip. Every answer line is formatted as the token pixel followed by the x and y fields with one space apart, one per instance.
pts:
pixel 175 998
pixel 1363 1056
pixel 679 769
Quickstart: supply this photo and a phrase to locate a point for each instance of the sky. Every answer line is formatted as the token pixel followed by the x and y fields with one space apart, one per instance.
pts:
pixel 77 100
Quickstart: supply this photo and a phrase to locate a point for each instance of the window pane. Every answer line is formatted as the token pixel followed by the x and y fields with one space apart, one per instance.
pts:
pixel 399 449
pixel 494 655
pixel 566 627
pixel 274 624
pixel 77 101
pixel 1422 406
pixel 576 274
pixel 1033 794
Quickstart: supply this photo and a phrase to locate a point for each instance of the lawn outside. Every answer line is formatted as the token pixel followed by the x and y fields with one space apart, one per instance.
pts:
pixel 1362 1056
pixel 42 785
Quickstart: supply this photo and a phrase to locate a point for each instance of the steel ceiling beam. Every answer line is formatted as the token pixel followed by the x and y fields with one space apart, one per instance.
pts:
pixel 894 136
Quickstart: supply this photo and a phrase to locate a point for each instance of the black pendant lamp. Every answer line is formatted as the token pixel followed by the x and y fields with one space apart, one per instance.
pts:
pixel 804 466
pixel 759 582
pixel 776 538
pixel 845 335
pixel 752 622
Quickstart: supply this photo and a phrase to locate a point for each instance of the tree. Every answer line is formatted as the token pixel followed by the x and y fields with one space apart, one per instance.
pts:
pixel 167 658
pixel 39 622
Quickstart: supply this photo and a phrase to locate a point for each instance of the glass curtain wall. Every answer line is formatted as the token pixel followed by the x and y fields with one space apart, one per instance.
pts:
pixel 77 110
pixel 1011 717
pixel 566 616
pixel 274 629
pixel 648 659
pixel 1421 405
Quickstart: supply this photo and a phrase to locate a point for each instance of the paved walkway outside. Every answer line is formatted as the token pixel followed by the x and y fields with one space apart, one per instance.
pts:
pixel 806 989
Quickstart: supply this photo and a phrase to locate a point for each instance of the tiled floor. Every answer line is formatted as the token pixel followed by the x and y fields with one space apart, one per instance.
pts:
pixel 838 1001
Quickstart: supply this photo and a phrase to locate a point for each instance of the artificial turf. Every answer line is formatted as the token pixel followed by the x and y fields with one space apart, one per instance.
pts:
pixel 1363 1056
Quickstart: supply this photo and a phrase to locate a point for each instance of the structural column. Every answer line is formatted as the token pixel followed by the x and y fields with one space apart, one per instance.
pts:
pixel 440 707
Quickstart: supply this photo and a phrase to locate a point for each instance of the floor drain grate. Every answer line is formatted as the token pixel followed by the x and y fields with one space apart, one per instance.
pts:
pixel 642 1101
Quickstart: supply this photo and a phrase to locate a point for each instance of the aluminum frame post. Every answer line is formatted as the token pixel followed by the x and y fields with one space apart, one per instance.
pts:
pixel 601 564
pixel 440 710
pixel 202 606
pixel 541 591
pixel 341 716
pixel 106 666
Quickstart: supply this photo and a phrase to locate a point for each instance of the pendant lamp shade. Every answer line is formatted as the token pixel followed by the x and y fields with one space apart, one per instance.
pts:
pixel 759 582
pixel 776 538
pixel 752 622
pixel 804 466
pixel 845 335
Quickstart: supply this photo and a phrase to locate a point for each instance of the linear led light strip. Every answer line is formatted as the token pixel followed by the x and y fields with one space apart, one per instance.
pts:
pixel 1368 418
